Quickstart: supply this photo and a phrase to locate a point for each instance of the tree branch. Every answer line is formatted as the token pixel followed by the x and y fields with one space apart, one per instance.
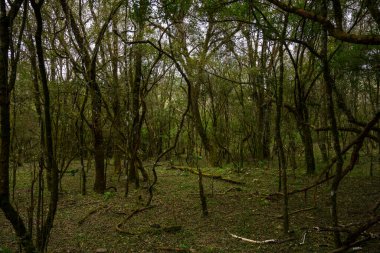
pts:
pixel 333 31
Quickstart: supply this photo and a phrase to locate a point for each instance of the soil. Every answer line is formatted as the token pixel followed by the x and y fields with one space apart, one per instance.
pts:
pixel 174 221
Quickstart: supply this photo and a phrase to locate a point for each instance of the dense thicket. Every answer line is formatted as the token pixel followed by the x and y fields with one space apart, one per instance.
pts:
pixel 121 82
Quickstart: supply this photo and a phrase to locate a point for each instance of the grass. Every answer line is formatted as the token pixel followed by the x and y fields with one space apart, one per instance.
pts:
pixel 244 210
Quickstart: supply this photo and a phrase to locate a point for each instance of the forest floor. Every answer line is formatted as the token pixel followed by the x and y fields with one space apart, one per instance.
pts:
pixel 174 223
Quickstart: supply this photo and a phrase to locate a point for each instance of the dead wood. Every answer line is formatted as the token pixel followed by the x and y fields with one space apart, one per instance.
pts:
pixel 269 241
pixel 119 225
pixel 352 238
pixel 332 229
pixel 216 177
pixel 174 249
pixel 344 248
pixel 92 211
pixel 238 189
pixel 361 229
pixel 297 211
pixel 172 229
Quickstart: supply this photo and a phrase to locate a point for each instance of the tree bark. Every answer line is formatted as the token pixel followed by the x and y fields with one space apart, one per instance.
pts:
pixel 329 83
pixel 329 26
pixel 116 100
pixel 9 211
pixel 89 59
pixel 280 147
pixel 42 239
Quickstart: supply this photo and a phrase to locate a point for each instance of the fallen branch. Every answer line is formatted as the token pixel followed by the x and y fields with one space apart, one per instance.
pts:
pixel 93 211
pixel 216 177
pixel 233 189
pixel 312 186
pixel 360 230
pixel 344 248
pixel 174 249
pixel 238 189
pixel 270 241
pixel 297 211
pixel 332 229
pixel 304 237
pixel 118 226
pixel 172 229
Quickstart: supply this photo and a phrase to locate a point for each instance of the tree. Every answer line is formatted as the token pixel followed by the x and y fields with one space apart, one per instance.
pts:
pixel 89 60
pixel 193 64
pixel 8 14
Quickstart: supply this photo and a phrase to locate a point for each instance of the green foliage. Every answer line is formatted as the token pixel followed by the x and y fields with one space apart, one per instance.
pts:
pixel 184 246
pixel 356 58
pixel 140 10
pixel 108 195
pixel 5 250
pixel 176 9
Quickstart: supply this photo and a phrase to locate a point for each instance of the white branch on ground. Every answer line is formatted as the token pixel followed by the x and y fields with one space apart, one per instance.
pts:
pixel 252 241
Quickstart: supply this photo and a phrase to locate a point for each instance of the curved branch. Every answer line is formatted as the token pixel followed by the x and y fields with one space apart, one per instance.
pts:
pixel 333 31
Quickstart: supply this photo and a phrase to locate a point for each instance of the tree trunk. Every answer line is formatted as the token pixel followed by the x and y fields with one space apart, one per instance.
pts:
pixel 307 142
pixel 89 59
pixel 116 100
pixel 329 83
pixel 97 131
pixel 10 213
pixel 196 116
pixel 52 168
pixel 133 175
pixel 280 148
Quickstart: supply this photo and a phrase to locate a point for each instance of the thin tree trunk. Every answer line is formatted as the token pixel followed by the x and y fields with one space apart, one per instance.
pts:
pixel 80 135
pixel 97 131
pixel 280 146
pixel 116 100
pixel 329 83
pixel 89 59
pixel 10 213
pixel 308 145
pixel 42 240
